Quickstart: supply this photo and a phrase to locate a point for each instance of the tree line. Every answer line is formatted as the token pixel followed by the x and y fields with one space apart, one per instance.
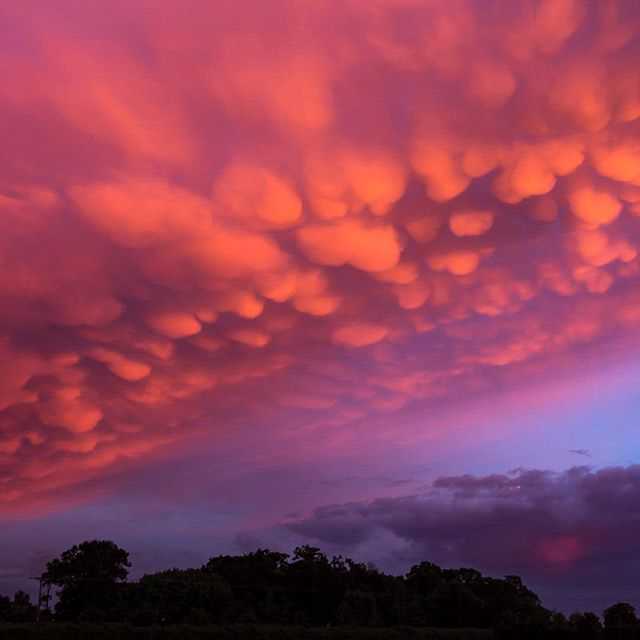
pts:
pixel 306 588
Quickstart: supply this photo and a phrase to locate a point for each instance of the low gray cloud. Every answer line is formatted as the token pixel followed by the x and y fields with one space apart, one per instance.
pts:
pixel 574 535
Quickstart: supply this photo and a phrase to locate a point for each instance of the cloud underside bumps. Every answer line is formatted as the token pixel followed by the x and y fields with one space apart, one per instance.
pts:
pixel 239 212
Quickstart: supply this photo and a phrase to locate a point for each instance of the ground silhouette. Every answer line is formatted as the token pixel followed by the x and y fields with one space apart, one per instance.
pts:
pixel 306 589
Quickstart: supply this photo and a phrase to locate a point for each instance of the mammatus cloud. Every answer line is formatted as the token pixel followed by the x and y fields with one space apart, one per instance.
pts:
pixel 555 528
pixel 222 213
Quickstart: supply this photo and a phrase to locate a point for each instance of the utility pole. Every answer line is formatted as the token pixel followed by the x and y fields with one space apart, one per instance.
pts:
pixel 44 596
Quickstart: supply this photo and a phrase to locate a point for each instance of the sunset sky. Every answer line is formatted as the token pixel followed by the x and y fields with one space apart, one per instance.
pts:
pixel 362 274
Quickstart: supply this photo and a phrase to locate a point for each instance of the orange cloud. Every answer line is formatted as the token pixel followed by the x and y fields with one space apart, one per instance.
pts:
pixel 258 195
pixel 293 91
pixel 347 180
pixel 122 366
pixel 595 207
pixel 359 334
pixel 174 324
pixel 458 263
pixel 250 337
pixel 367 247
pixel 199 209
pixel 162 213
pixel 470 223
pixel 618 162
pixel 443 175
pixel 412 295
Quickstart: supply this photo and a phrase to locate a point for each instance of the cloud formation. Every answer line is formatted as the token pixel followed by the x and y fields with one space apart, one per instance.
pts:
pixel 571 530
pixel 227 210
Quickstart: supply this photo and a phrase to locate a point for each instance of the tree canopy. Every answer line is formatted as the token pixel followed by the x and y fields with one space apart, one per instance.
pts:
pixel 305 588
pixel 87 576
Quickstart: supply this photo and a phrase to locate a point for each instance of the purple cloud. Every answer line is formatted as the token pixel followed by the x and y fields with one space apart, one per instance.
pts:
pixel 560 531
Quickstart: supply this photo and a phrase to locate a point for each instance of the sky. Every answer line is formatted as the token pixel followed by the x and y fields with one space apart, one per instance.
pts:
pixel 358 274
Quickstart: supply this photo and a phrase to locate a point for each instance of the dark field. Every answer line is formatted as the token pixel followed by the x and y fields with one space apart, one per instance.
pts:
pixel 275 632
pixel 232 632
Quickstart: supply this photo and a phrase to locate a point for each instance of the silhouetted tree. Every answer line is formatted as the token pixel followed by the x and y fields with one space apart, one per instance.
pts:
pixel 454 604
pixel 621 614
pixel 5 608
pixel 587 625
pixel 258 584
pixel 20 609
pixel 194 596
pixel 306 588
pixel 424 578
pixel 358 608
pixel 314 586
pixel 558 622
pixel 87 575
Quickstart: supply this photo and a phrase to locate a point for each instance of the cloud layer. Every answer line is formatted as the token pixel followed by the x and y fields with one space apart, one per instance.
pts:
pixel 575 533
pixel 309 214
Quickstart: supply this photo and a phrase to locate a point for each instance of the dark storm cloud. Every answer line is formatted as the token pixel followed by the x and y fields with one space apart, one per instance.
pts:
pixel 579 529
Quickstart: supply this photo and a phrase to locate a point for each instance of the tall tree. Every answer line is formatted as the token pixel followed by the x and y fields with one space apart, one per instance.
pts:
pixel 87 575
pixel 587 625
pixel 621 614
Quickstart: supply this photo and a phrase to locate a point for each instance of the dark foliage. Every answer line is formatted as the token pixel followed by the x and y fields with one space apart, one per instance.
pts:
pixel 67 631
pixel 305 590
pixel 20 609
pixel 620 615
pixel 88 576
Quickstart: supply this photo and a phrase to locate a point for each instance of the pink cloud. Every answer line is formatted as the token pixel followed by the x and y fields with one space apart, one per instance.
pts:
pixel 201 210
